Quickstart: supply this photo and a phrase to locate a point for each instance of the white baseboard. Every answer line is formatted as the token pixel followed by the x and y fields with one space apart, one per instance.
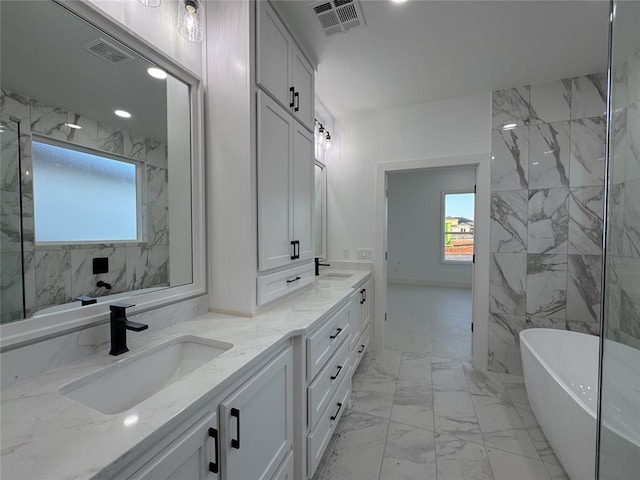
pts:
pixel 428 283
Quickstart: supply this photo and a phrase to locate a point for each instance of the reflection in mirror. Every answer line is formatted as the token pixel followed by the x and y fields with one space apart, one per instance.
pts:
pixel 320 211
pixel 96 165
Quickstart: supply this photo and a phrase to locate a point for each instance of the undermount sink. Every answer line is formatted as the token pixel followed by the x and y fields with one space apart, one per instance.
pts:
pixel 337 276
pixel 117 388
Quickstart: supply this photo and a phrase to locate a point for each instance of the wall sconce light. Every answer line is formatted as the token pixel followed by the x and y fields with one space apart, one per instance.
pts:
pixel 323 137
pixel 150 3
pixel 190 20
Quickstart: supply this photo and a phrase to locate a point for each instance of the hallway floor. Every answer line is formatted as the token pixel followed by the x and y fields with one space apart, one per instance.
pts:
pixel 418 416
pixel 429 320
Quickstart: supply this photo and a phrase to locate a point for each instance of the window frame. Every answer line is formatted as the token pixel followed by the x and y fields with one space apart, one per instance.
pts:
pixel 443 196
pixel 140 173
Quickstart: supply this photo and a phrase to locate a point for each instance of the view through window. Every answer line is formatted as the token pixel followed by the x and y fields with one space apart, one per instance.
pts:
pixel 458 225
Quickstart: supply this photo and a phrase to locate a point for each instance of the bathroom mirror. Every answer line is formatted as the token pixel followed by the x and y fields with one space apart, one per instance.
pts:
pixel 97 164
pixel 320 211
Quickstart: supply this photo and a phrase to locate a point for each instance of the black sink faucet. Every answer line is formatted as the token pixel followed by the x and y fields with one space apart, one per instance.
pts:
pixel 318 265
pixel 119 327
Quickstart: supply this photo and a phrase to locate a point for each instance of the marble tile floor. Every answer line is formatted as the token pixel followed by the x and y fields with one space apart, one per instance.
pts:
pixel 429 320
pixel 418 416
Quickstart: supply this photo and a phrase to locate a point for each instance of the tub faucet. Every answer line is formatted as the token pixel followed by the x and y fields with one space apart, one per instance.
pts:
pixel 119 327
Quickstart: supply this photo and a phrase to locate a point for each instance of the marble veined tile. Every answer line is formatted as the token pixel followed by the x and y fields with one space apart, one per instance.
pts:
pixel 415 367
pixel 48 120
pixel 11 284
pixel 448 374
pixel 618 159
pixel 83 281
pixel 53 277
pixel 110 139
pixel 549 147
pixel 511 105
pixel 547 285
pixel 632 156
pixel 372 402
pixel 630 298
pixel 507 283
pixel 509 219
pixel 157 225
pixel 136 258
pixel 455 416
pixel 633 77
pixel 509 159
pixel 134 146
pixel 508 466
pixel 117 274
pixel 9 173
pixel 631 242
pixel 409 453
pixel 461 460
pixel 548 221
pixel 588 96
pixel 15 105
pixel 545 452
pixel 587 152
pixel 413 404
pixel 10 220
pixel 157 273
pixel 504 343
pixel 620 93
pixel 556 472
pixel 584 288
pixel 87 135
pixel 156 181
pixel 484 383
pixel 156 153
pixel 551 101
pixel 585 220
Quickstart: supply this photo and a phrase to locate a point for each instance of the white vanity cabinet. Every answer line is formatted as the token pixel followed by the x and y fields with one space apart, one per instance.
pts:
pixel 361 302
pixel 285 187
pixel 282 69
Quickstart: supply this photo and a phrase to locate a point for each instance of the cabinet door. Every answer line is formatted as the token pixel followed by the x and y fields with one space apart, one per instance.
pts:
pixel 273 54
pixel 367 303
pixel 192 456
pixel 303 84
pixel 303 190
pixel 257 422
pixel 275 225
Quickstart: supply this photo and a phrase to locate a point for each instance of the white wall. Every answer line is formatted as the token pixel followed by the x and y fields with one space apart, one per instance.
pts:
pixel 414 226
pixel 459 126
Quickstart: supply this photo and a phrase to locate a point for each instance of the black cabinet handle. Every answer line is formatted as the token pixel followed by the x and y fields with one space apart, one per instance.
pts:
pixel 337 372
pixel 213 466
pixel 338 330
pixel 364 295
pixel 335 415
pixel 294 280
pixel 298 249
pixel 296 96
pixel 361 296
pixel 235 442
pixel 361 349
pixel 292 90
pixel 293 244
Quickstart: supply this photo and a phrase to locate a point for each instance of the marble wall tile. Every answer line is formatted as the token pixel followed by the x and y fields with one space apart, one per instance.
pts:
pixel 509 219
pixel 9 150
pixel 620 95
pixel 511 105
pixel 157 273
pixel 587 152
pixel 508 275
pixel 584 288
pixel 504 342
pixel 11 286
pixel 547 285
pixel 136 266
pixel 53 277
pixel 509 159
pixel 630 298
pixel 586 220
pixel 589 96
pixel 613 291
pixel 15 105
pixel 551 101
pixel 117 274
pixel 110 139
pixel 83 281
pixel 29 269
pixel 10 222
pixel 548 223
pixel 134 146
pixel 632 154
pixel 633 77
pixel 157 225
pixel 549 155
pixel 87 136
pixel 618 152
pixel 156 182
pixel 48 120
pixel 156 153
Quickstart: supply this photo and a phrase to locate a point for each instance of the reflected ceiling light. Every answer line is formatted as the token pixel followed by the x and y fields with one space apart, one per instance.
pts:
pixel 190 20
pixel 509 126
pixel 122 113
pixel 73 125
pixel 156 72
pixel 130 420
pixel 150 3
pixel 398 1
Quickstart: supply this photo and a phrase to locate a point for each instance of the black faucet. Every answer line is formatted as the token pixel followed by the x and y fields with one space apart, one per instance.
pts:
pixel 103 284
pixel 119 327
pixel 86 300
pixel 318 265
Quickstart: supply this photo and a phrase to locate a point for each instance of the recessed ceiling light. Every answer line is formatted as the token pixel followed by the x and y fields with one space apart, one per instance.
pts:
pixel 398 1
pixel 509 126
pixel 157 73
pixel 73 125
pixel 122 113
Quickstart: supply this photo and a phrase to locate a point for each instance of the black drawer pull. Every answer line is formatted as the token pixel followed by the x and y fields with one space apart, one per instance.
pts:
pixel 337 372
pixel 361 296
pixel 293 244
pixel 296 96
pixel 334 416
pixel 235 442
pixel 213 466
pixel 294 280
pixel 364 295
pixel 292 90
pixel 338 330
pixel 361 349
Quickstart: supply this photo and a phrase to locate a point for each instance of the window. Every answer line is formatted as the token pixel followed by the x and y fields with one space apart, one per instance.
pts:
pixel 458 226
pixel 97 194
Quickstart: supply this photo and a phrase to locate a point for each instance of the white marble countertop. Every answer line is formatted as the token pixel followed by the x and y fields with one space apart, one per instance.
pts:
pixel 47 435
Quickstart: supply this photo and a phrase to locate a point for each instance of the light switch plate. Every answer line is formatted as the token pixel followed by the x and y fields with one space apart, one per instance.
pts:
pixel 346 253
pixel 364 253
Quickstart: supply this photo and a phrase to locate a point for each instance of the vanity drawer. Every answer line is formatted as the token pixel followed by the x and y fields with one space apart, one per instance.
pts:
pixel 318 439
pixel 275 285
pixel 362 346
pixel 319 393
pixel 355 317
pixel 323 342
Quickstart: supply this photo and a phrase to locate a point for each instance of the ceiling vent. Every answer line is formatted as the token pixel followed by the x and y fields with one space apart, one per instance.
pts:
pixel 108 52
pixel 338 16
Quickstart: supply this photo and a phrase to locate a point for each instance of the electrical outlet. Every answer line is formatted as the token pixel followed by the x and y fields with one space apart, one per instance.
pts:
pixel 346 253
pixel 364 253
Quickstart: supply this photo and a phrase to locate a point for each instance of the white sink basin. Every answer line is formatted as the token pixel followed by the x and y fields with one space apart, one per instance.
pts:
pixel 337 276
pixel 119 387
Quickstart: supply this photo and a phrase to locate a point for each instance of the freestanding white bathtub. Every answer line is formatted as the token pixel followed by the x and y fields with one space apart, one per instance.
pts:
pixel 561 377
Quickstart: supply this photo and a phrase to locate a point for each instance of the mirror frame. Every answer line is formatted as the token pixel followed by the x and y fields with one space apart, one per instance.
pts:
pixel 323 209
pixel 35 329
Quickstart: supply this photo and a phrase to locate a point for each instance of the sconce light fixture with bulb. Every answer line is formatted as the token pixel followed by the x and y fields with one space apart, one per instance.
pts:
pixel 150 3
pixel 190 20
pixel 323 137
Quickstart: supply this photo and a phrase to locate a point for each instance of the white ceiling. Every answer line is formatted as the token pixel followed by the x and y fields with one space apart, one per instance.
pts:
pixel 421 51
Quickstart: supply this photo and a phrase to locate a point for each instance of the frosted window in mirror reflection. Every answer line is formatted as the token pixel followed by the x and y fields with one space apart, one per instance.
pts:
pixel 82 197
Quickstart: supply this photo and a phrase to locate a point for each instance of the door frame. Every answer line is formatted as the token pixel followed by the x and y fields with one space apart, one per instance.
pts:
pixel 480 279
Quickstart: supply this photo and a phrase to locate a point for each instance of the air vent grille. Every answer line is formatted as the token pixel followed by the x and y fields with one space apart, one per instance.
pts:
pixel 108 52
pixel 339 16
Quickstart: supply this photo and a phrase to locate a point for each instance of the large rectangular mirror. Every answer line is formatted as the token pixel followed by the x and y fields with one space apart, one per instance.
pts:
pixel 96 165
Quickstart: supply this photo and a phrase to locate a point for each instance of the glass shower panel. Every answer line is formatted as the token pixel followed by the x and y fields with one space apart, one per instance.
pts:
pixel 11 285
pixel 619 421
